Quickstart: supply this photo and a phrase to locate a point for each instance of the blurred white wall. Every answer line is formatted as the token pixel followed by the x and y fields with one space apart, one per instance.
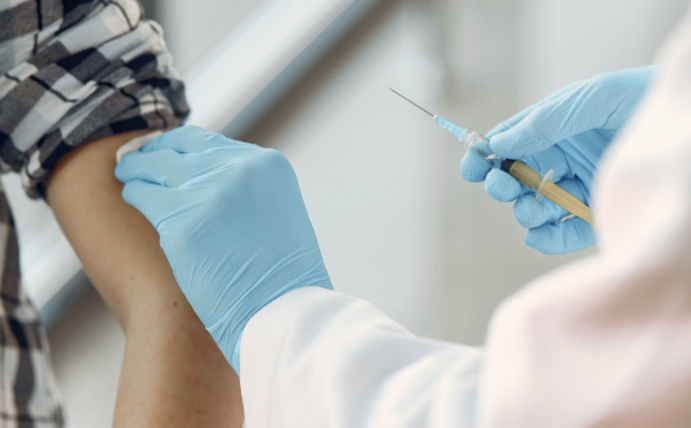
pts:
pixel 478 40
pixel 367 162
pixel 568 40
pixel 88 346
pixel 194 28
pixel 530 48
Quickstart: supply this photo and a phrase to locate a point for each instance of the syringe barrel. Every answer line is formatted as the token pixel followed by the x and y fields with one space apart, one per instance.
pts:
pixel 549 190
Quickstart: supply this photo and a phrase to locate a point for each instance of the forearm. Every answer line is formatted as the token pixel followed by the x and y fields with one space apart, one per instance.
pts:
pixel 173 373
pixel 323 359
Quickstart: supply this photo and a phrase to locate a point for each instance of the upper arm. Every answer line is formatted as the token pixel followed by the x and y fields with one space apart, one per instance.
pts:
pixel 116 245
pixel 99 73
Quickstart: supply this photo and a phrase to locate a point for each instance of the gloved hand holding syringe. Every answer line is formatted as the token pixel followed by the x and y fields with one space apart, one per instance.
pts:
pixel 541 185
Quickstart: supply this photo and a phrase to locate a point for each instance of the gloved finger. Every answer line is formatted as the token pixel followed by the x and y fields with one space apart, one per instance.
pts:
pixel 553 212
pixel 191 139
pixel 572 113
pixel 553 159
pixel 147 198
pixel 532 213
pixel 503 187
pixel 165 167
pixel 529 211
pixel 511 122
pixel 474 167
pixel 561 238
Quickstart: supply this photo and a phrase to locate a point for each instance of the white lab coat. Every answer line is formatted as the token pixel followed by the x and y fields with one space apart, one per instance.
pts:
pixel 605 342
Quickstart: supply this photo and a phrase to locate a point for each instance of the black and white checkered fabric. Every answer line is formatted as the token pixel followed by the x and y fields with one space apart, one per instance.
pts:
pixel 73 71
pixel 28 395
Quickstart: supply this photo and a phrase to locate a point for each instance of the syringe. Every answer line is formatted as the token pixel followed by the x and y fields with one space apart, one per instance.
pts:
pixel 542 186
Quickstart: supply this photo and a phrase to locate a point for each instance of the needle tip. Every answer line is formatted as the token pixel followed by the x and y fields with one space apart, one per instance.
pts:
pixel 416 105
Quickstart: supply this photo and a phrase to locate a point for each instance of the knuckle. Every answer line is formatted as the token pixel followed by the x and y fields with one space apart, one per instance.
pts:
pixel 132 194
pixel 599 80
pixel 503 127
pixel 183 132
pixel 191 129
pixel 274 157
pixel 166 155
pixel 256 170
pixel 268 159
pixel 215 199
pixel 613 81
pixel 528 212
pixel 128 191
pixel 609 78
pixel 126 194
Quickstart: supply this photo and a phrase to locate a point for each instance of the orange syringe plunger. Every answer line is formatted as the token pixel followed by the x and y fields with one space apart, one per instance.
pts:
pixel 548 189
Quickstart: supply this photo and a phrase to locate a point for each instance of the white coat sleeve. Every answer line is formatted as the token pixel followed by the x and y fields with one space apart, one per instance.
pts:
pixel 318 359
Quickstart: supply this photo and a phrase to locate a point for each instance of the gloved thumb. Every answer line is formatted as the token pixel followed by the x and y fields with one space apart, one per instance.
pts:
pixel 526 138
pixel 582 108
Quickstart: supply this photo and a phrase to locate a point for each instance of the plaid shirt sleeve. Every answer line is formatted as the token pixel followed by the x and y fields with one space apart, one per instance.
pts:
pixel 73 71
pixel 29 397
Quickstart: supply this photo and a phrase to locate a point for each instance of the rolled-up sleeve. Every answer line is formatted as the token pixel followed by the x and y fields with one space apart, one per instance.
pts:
pixel 77 71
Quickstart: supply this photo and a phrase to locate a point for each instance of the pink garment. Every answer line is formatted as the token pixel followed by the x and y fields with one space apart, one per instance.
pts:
pixel 607 342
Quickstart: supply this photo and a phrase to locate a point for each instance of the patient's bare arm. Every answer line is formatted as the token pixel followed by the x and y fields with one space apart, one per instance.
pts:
pixel 173 374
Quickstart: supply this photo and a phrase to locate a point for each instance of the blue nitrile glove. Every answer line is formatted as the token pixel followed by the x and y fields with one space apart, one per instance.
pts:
pixel 568 132
pixel 232 223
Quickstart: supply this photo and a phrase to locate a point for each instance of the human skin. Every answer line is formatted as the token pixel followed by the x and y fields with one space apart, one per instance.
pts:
pixel 173 374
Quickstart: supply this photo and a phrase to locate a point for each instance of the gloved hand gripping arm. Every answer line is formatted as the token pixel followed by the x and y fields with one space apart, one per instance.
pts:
pixel 236 232
pixel 232 224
